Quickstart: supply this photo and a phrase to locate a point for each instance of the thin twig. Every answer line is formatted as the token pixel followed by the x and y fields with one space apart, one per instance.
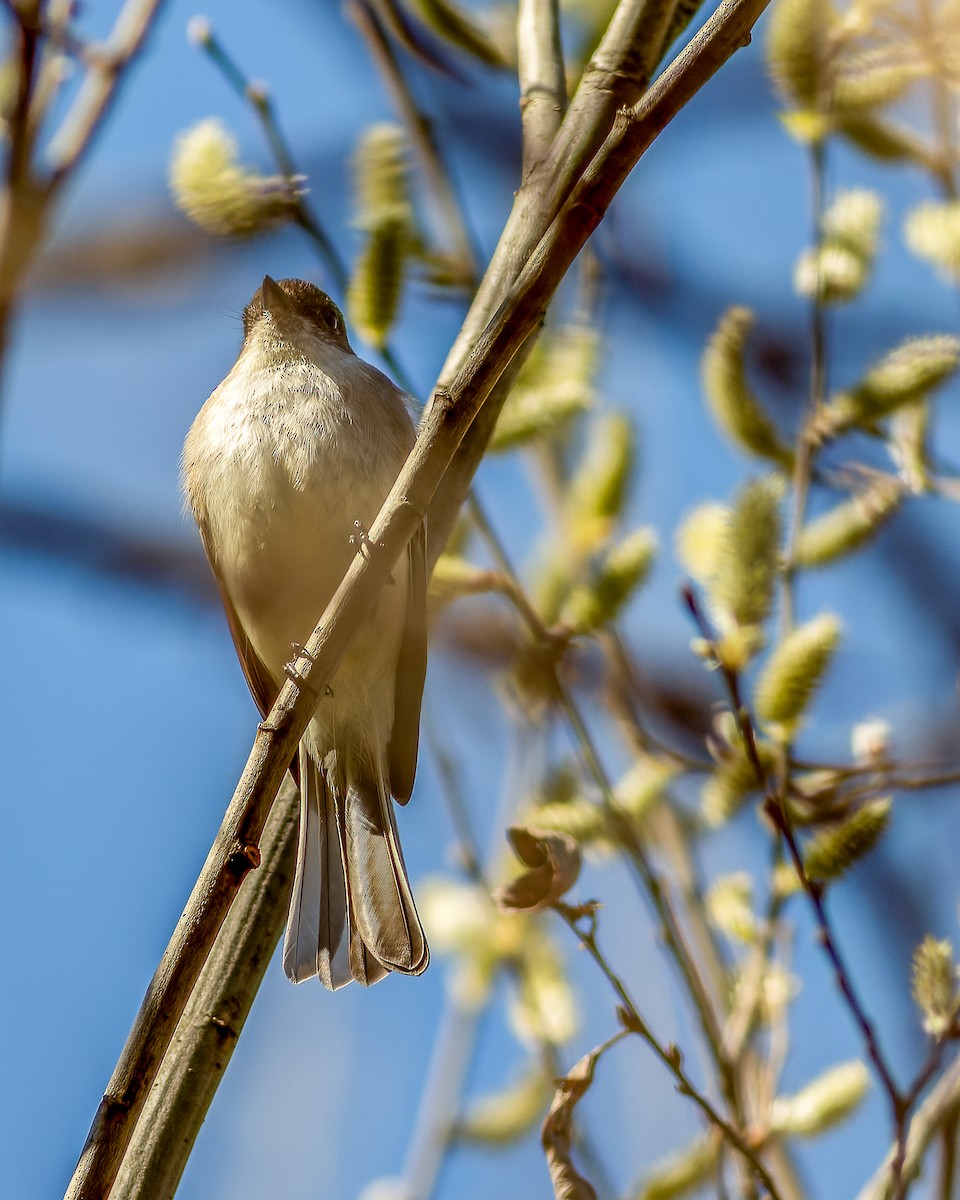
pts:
pixel 257 96
pixel 670 1056
pixel 803 461
pixel 901 1103
pixel 941 1106
pixel 420 129
pixel 651 883
pixel 99 89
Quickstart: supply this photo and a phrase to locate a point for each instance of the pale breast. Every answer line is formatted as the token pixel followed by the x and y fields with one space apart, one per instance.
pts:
pixel 279 465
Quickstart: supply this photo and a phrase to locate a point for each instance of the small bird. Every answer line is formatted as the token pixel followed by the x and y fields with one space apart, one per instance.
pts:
pixel 293 453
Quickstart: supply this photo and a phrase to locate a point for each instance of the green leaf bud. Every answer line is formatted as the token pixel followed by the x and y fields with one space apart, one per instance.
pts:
pixel 732 401
pixel 907 444
pixel 455 576
pixel 882 140
pixel 794 670
pixel 835 849
pixel 460 30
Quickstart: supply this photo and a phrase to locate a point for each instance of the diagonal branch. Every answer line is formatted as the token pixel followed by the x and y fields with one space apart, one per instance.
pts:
pixel 450 414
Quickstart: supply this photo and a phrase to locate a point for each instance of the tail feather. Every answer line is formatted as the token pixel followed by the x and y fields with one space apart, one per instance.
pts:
pixel 352 914
pixel 381 902
pixel 317 937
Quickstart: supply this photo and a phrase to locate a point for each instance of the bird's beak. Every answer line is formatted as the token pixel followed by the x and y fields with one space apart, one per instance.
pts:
pixel 275 299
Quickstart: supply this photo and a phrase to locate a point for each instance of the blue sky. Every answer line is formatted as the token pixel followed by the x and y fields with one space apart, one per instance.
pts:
pixel 125 717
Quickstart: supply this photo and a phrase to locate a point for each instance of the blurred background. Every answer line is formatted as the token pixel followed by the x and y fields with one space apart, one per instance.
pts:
pixel 126 720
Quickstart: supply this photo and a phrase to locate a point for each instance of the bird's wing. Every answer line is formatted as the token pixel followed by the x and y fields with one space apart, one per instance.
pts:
pixel 261 685
pixel 411 669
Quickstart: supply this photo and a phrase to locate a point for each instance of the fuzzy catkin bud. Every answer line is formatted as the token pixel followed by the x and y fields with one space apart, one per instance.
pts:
pixel 554 385
pixel 211 187
pixel 384 211
pixel 793 671
pixel 505 1116
pixel 869 82
pixel 732 401
pixel 932 232
pixel 853 220
pixel 598 489
pixel 727 788
pixel 833 274
pixel 909 372
pixel 827 1100
pixel 849 525
pixel 636 792
pixel 681 1174
pixel 749 556
pixel 583 820
pixel 381 177
pixel 798 50
pixel 935 984
pixel 729 905
pixel 621 571
pixel 837 269
pixel 543 1007
pixel 700 538
pixel 834 850
pixel 373 296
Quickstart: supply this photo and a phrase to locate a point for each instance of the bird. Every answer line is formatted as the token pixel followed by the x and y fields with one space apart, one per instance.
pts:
pixel 292 454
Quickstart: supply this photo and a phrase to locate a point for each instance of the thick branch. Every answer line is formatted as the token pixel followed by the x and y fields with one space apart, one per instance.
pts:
pixel 727 30
pixel 212 1021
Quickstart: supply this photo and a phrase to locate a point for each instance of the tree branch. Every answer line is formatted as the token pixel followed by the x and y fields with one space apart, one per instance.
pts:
pixel 543 86
pixel 215 1015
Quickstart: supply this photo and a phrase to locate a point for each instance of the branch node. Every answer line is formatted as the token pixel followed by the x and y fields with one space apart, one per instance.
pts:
pixel 243 859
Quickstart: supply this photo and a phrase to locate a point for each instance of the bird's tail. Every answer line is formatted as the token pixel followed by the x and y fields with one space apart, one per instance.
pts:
pixel 352 914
